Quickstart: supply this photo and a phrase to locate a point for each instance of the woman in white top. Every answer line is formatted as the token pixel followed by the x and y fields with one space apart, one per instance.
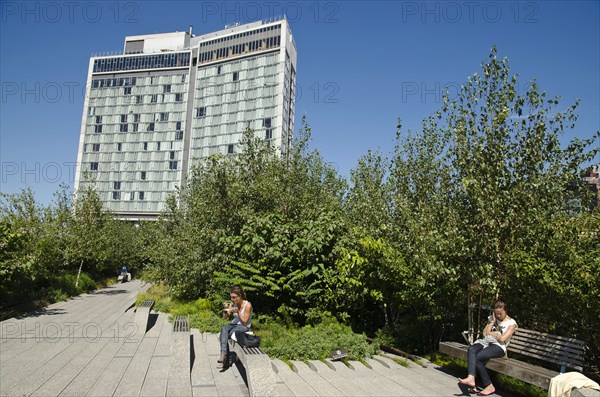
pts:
pixel 242 318
pixel 497 335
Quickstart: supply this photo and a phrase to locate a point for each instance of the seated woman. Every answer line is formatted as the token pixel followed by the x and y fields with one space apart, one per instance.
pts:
pixel 497 335
pixel 242 318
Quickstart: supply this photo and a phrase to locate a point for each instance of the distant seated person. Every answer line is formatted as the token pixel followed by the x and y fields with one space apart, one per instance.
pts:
pixel 125 274
pixel 241 310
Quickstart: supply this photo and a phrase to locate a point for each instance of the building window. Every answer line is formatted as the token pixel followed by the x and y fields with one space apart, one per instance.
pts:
pixel 235 76
pixel 167 88
pixel 164 116
pixel 141 195
pixel 154 98
pixel 269 133
pixel 126 90
pixel 95 147
pixel 117 185
pixel 132 196
pixel 267 122
pixel 157 145
pixel 230 148
pixel 179 97
pixel 94 166
pixel 91 111
pixel 183 78
pixel 123 128
pixel 178 135
pixel 98 119
pixel 150 127
pixel 172 155
pixel 201 111
pixel 178 125
pixel 219 69
pixel 134 127
pixel 143 175
pixel 138 99
pixel 123 118
pixel 117 195
pixel 173 164
pixel 119 147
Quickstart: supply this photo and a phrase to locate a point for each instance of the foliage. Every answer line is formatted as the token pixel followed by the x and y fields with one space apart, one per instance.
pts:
pixel 483 200
pixel 203 314
pixel 314 342
pixel 43 248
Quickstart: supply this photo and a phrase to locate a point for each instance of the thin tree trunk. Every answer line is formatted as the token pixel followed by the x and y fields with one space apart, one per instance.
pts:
pixel 79 273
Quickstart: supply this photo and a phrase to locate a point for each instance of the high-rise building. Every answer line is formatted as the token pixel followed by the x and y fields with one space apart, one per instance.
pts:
pixel 170 100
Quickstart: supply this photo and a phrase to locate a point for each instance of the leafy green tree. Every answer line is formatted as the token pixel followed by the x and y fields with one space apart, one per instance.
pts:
pixel 88 234
pixel 485 178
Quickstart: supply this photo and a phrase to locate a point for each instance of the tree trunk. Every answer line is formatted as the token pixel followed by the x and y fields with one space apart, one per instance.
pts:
pixel 78 273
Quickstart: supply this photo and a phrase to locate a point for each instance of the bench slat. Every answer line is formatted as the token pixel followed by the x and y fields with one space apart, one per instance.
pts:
pixel 519 341
pixel 535 334
pixel 181 324
pixel 550 351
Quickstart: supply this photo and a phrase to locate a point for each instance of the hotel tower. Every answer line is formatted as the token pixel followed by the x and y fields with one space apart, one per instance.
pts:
pixel 170 100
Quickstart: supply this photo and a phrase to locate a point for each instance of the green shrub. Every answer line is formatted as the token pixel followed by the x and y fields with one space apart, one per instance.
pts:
pixel 157 293
pixel 207 321
pixel 314 342
pixel 85 283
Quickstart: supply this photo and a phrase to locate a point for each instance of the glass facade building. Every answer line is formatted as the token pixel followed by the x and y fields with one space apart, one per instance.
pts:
pixel 170 100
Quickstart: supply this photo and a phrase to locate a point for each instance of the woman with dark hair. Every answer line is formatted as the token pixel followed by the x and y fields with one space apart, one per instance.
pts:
pixel 241 310
pixel 497 336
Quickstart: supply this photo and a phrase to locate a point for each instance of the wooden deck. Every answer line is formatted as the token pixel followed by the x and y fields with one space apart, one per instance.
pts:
pixel 89 346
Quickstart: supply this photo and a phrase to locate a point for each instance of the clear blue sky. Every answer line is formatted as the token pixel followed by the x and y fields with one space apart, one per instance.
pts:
pixel 361 65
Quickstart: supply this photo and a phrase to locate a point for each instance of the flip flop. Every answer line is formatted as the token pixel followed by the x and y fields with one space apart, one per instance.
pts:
pixel 486 394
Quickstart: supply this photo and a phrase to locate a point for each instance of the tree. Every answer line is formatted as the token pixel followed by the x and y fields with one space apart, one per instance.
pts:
pixel 485 177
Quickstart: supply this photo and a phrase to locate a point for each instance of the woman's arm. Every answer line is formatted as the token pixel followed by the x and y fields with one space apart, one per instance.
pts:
pixel 506 335
pixel 488 328
pixel 245 316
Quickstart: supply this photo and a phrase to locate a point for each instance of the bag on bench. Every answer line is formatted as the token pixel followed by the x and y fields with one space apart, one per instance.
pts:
pixel 245 340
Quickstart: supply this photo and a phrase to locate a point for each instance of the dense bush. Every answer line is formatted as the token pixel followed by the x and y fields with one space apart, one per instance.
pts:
pixel 314 342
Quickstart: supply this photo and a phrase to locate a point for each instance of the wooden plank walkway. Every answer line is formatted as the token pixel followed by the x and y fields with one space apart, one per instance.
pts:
pixel 89 346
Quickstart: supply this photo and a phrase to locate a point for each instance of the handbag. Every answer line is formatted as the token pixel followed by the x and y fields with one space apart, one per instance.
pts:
pixel 245 340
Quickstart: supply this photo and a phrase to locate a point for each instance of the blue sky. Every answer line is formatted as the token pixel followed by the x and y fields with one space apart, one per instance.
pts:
pixel 361 65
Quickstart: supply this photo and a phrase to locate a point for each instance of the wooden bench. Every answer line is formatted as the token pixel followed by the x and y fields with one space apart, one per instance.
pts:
pixel 142 315
pixel 259 371
pixel 547 348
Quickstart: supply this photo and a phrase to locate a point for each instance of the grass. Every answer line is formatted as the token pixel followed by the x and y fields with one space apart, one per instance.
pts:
pixel 202 312
pixel 402 361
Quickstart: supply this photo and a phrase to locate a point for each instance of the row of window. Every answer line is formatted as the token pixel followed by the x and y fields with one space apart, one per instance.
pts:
pixel 95 147
pixel 237 49
pixel 114 82
pixel 116 195
pixel 139 99
pixel 171 60
pixel 172 165
pixel 240 35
